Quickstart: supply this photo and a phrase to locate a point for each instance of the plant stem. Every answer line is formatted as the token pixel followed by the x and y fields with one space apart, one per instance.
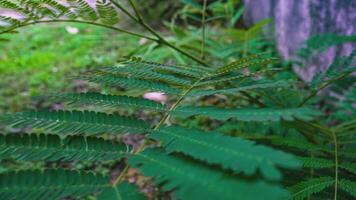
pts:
pixel 203 31
pixel 160 123
pixel 326 84
pixel 123 9
pixel 81 22
pixel 336 163
pixel 139 18
pixel 159 39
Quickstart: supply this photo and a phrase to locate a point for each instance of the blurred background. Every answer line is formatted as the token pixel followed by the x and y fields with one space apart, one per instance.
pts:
pixel 42 58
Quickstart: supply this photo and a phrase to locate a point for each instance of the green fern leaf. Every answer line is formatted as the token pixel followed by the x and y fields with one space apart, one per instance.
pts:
pixel 83 9
pixel 103 100
pixel 254 60
pixel 351 167
pixel 147 74
pixel 122 191
pixel 187 71
pixel 230 78
pixel 58 7
pixel 131 83
pixel 320 43
pixel 36 10
pixel 108 14
pixel 49 184
pixel 76 122
pixel 192 180
pixel 259 86
pixel 303 189
pixel 316 163
pixel 10 22
pixel 32 147
pixel 247 114
pixel 231 153
pixel 298 144
pixel 10 5
pixel 348 186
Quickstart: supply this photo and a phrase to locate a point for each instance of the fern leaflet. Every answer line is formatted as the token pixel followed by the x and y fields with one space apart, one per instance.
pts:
pixel 51 148
pixel 76 122
pixel 192 180
pixel 215 148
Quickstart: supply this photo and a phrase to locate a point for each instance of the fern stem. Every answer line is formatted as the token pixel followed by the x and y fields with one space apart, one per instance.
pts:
pixel 336 164
pixel 311 172
pixel 174 106
pixel 123 9
pixel 80 22
pixel 326 84
pixel 160 123
pixel 203 30
pixel 159 39
pixel 139 18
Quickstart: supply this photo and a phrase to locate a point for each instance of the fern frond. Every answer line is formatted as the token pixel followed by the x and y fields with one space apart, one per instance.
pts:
pixel 187 71
pixel 103 100
pixel 122 191
pixel 340 66
pixel 298 144
pixel 348 186
pixel 36 10
pixel 192 180
pixel 10 22
pixel 108 14
pixel 83 9
pixel 254 60
pixel 131 83
pixel 225 79
pixel 351 167
pixel 303 189
pixel 10 5
pixel 58 7
pixel 231 153
pixel 49 184
pixel 25 147
pixel 76 122
pixel 316 163
pixel 259 86
pixel 320 43
pixel 248 114
pixel 147 74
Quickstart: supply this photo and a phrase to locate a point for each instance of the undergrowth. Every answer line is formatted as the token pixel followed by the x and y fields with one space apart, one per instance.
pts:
pixel 257 134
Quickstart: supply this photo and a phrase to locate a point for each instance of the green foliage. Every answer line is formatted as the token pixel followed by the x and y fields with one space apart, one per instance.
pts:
pixel 218 149
pixel 76 122
pixel 122 191
pixel 130 83
pixel 174 139
pixel 256 107
pixel 320 43
pixel 348 186
pixel 249 87
pixel 193 180
pixel 49 184
pixel 248 114
pixel 102 100
pixel 24 147
pixel 311 186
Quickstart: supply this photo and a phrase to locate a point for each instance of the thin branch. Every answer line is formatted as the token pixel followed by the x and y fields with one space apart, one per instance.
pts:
pixel 336 163
pixel 160 123
pixel 139 18
pixel 202 55
pixel 123 9
pixel 326 84
pixel 81 22
pixel 159 39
